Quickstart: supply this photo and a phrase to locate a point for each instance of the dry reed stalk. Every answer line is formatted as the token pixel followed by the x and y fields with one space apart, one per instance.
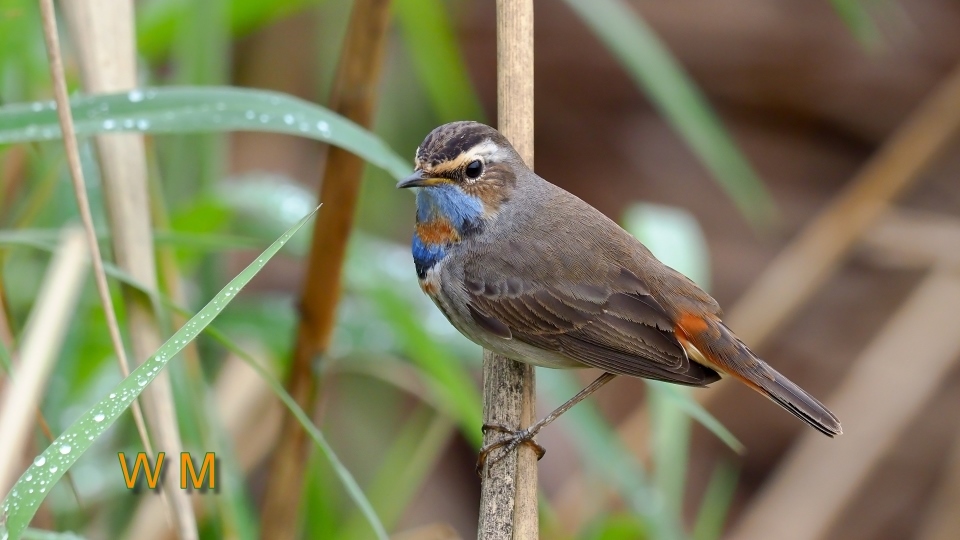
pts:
pixel 508 499
pixel 249 411
pixel 354 96
pixel 6 335
pixel 103 31
pixel 823 245
pixel 42 338
pixel 820 477
pixel 434 531
pixel 942 518
pixel 12 170
pixel 149 521
pixel 911 238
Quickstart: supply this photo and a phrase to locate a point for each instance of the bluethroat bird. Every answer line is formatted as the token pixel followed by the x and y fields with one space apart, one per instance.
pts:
pixel 529 271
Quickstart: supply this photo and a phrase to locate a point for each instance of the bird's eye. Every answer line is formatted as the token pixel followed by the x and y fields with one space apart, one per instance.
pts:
pixel 474 169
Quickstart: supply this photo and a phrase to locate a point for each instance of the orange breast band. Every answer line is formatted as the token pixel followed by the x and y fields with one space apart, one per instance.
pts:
pixel 437 231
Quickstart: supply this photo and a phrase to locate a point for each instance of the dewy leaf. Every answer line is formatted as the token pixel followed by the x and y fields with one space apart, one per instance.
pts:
pixel 650 64
pixel 199 110
pixel 22 502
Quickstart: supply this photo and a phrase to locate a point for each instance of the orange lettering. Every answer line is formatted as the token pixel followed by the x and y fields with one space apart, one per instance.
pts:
pixel 209 462
pixel 130 479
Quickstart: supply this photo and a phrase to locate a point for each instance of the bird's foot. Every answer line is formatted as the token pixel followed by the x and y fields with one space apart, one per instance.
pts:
pixel 513 439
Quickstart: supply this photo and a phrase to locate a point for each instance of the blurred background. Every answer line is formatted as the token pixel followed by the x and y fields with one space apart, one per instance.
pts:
pixel 795 158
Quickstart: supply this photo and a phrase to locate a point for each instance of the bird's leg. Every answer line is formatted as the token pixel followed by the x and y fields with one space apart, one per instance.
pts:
pixel 515 438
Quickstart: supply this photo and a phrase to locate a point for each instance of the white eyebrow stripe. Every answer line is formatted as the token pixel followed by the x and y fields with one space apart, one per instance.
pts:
pixel 485 148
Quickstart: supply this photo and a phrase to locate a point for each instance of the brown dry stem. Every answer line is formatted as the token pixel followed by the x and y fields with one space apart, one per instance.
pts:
pixel 508 500
pixel 354 96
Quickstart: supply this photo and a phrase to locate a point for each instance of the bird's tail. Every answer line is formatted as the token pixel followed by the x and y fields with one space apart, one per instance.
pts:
pixel 729 355
pixel 798 402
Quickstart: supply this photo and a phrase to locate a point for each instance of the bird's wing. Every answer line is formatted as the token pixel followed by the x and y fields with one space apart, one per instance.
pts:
pixel 611 323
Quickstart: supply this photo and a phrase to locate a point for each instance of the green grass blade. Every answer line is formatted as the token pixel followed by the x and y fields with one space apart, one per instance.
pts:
pixel 200 56
pixel 674 236
pixel 40 534
pixel 374 272
pixel 429 35
pixel 46 238
pixel 157 21
pixel 31 489
pixel 670 443
pixel 696 411
pixel 652 67
pixel 349 482
pixel 408 460
pixel 716 503
pixel 343 474
pixel 448 379
pixel 858 21
pixel 608 459
pixel 199 110
pixel 6 363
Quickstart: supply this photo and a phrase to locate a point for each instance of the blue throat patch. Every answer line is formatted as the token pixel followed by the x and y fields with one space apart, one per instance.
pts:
pixel 425 256
pixel 448 203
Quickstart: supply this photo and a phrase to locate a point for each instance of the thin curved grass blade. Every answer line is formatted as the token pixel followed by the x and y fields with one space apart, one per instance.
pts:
pixel 45 239
pixel 211 109
pixel 349 482
pixel 696 411
pixel 40 534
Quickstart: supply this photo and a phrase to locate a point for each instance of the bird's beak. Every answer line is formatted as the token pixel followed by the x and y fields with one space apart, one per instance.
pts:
pixel 417 179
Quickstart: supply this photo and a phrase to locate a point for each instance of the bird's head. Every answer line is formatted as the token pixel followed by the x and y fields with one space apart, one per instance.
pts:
pixel 465 172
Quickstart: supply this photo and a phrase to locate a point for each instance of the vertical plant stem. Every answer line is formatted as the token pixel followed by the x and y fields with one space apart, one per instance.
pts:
pixel 7 340
pixel 508 501
pixel 80 192
pixel 103 31
pixel 76 175
pixel 149 521
pixel 354 96
pixel 43 337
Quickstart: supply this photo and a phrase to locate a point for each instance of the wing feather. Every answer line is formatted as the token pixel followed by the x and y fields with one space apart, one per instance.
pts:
pixel 620 328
